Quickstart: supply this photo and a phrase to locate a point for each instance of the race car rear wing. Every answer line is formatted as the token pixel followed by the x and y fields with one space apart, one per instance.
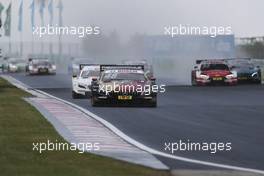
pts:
pixel 131 67
pixel 209 60
pixel 31 59
pixel 245 58
pixel 81 66
pixel 226 59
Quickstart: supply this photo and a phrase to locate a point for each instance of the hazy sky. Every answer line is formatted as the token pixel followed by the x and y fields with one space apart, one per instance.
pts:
pixel 150 16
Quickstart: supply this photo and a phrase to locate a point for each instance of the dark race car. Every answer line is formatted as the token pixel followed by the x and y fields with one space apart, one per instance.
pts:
pixel 123 84
pixel 213 72
pixel 247 72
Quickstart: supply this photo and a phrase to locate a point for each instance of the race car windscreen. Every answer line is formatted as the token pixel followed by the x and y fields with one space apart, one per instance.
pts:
pixel 206 67
pixel 17 61
pixel 243 64
pixel 44 63
pixel 123 76
pixel 92 73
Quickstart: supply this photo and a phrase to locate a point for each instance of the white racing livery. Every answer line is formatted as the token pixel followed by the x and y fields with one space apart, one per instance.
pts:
pixel 15 65
pixel 41 66
pixel 81 83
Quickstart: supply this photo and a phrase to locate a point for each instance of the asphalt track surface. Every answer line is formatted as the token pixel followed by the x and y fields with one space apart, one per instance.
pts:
pixel 199 114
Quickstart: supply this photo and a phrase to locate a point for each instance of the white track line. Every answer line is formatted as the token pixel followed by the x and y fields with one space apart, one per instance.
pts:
pixel 146 148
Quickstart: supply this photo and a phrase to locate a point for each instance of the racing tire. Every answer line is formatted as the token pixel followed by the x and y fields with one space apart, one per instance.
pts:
pixel 150 104
pixel 259 82
pixel 153 104
pixel 94 102
pixel 30 74
pixel 193 81
pixel 75 95
pixel 88 95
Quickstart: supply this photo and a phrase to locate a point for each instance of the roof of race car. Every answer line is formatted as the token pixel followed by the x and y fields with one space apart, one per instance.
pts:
pixel 11 59
pixel 41 60
pixel 91 67
pixel 213 62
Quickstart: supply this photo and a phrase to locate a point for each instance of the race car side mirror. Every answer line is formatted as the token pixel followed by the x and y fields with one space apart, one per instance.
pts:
pixel 152 79
pixel 74 75
pixel 233 67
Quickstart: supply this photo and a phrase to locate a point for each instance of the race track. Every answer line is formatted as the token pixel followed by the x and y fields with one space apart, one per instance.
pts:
pixel 199 114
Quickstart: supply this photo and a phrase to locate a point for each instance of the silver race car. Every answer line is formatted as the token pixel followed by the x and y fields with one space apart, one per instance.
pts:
pixel 41 66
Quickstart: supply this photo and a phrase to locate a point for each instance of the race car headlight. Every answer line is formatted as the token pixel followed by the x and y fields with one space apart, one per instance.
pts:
pixel 255 74
pixel 231 76
pixel 203 76
pixel 53 67
pixel 12 66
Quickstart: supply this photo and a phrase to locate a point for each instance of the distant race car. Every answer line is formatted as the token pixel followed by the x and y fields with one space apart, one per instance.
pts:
pixel 119 83
pixel 74 66
pixel 246 70
pixel 41 66
pixel 81 83
pixel 13 65
pixel 213 72
pixel 148 68
pixel 2 61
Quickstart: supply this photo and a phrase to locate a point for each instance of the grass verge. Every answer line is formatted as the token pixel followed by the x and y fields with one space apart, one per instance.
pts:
pixel 21 125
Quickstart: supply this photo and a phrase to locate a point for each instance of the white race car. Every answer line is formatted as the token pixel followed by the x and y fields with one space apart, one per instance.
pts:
pixel 13 65
pixel 81 83
pixel 41 66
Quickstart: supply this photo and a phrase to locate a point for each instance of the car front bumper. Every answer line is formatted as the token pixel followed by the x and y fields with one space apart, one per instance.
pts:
pixel 216 81
pixel 42 71
pixel 133 98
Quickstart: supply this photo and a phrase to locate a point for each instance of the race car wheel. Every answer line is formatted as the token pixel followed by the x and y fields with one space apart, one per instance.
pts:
pixel 88 94
pixel 259 82
pixel 74 95
pixel 193 81
pixel 153 104
pixel 94 102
